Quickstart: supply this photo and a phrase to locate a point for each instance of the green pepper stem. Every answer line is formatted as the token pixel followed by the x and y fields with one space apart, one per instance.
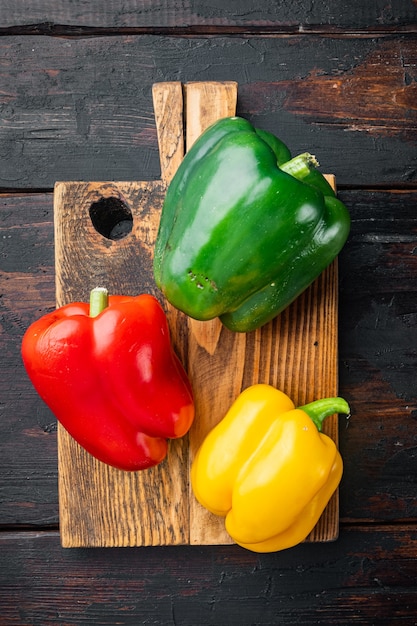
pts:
pixel 300 166
pixel 320 409
pixel 99 300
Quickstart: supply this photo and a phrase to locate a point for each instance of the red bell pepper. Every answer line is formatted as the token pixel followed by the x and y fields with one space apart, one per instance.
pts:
pixel 112 379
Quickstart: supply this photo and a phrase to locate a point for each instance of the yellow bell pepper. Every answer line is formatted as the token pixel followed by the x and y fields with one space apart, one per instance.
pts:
pixel 268 469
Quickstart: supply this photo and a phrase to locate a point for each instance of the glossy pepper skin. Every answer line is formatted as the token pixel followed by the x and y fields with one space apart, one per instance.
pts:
pixel 268 469
pixel 244 229
pixel 112 379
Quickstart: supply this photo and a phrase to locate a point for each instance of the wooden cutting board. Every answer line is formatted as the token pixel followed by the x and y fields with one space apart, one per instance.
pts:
pixel 104 236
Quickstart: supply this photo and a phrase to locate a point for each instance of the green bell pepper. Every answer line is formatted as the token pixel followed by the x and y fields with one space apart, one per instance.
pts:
pixel 244 228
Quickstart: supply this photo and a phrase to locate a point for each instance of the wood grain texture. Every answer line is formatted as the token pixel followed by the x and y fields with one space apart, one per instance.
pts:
pixel 205 103
pixel 168 104
pixel 215 358
pixel 377 336
pixel 333 584
pixel 351 100
pixel 330 76
pixel 379 319
pixel 28 465
pixel 100 506
pixel 192 13
pixel 76 104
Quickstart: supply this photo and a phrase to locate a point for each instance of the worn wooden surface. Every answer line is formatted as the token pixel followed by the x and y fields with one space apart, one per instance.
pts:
pixel 81 108
pixel 339 78
pixel 43 16
pixel 297 353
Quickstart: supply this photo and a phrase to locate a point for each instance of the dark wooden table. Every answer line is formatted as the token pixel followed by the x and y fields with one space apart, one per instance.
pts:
pixel 337 78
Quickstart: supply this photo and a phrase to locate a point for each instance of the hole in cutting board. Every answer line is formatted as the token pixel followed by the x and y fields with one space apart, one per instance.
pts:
pixel 111 217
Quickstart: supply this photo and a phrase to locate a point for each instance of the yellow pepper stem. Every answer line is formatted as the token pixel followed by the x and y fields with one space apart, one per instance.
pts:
pixel 320 409
pixel 99 300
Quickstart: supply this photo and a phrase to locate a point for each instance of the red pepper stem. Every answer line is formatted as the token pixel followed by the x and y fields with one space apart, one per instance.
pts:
pixel 300 166
pixel 320 409
pixel 99 300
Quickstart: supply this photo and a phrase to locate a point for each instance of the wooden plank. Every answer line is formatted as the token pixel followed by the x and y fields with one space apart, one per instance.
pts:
pixel 186 14
pixel 296 352
pixel 58 123
pixel 99 505
pixel 168 104
pixel 206 102
pixel 219 355
pixel 367 577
